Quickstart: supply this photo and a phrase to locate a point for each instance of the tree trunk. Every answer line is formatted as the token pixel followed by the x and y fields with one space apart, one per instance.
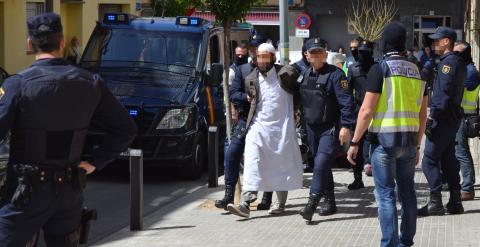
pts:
pixel 227 24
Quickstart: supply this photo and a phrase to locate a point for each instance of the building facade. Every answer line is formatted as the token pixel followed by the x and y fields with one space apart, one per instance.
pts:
pixel 421 17
pixel 78 17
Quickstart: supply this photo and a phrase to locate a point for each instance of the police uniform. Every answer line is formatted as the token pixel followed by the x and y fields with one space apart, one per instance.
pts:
pixel 48 108
pixel 325 98
pixel 357 79
pixel 394 135
pixel 442 126
pixel 469 105
pixel 234 153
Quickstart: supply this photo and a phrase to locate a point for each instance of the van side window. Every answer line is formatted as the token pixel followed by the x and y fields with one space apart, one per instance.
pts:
pixel 214 50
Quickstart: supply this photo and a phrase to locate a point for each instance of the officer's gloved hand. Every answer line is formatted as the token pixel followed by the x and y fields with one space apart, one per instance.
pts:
pixel 428 128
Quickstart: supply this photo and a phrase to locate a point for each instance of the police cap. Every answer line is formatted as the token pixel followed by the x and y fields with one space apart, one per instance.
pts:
pixel 444 32
pixel 315 44
pixel 258 40
pixel 44 24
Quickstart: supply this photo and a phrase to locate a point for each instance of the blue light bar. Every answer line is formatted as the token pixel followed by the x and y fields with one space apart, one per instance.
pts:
pixel 116 18
pixel 133 112
pixel 188 21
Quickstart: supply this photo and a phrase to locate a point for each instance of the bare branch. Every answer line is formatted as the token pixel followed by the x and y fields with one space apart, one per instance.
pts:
pixel 368 17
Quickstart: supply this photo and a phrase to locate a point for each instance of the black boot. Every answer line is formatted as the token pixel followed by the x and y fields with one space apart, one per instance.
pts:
pixel 228 198
pixel 309 209
pixel 266 201
pixel 329 207
pixel 454 205
pixel 357 183
pixel 434 205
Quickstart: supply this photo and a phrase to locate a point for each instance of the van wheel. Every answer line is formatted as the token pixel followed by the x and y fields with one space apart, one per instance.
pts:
pixel 194 166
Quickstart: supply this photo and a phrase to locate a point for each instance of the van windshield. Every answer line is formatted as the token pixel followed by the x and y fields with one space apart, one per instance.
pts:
pixel 121 48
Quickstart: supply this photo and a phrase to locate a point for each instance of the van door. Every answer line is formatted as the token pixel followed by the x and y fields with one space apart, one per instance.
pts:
pixel 215 55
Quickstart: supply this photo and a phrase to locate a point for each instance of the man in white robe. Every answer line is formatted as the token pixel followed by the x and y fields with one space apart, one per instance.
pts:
pixel 272 158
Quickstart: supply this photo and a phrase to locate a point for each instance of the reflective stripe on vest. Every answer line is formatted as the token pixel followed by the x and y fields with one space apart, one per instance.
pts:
pixel 345 68
pixel 399 104
pixel 469 101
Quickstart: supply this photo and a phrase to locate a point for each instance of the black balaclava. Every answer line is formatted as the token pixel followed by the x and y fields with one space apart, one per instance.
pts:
pixel 466 54
pixel 365 54
pixel 239 61
pixel 355 53
pixel 393 39
pixel 365 59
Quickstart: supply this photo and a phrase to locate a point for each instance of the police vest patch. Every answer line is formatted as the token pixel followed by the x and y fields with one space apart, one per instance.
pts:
pixel 446 69
pixel 2 92
pixel 344 84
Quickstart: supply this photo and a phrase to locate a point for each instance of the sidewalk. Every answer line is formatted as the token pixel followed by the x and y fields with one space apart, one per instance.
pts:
pixel 194 221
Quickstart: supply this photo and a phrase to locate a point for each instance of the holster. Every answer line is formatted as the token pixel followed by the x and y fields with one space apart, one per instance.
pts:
pixel 23 193
pixel 87 216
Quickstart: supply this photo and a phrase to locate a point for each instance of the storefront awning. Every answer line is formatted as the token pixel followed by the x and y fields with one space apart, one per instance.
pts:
pixel 253 17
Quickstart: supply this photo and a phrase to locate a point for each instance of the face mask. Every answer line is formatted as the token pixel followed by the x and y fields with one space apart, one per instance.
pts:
pixel 239 61
pixel 354 53
pixel 365 59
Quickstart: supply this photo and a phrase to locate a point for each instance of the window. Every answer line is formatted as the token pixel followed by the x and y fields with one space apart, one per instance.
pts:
pixel 33 9
pixel 214 50
pixel 426 25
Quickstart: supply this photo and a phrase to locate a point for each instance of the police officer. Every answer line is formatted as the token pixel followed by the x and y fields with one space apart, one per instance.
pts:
pixel 302 64
pixel 48 108
pixel 233 157
pixel 326 98
pixel 354 43
pixel 469 105
pixel 357 78
pixel 394 110
pixel 442 125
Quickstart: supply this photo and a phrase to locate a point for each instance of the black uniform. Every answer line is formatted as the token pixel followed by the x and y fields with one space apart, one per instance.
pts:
pixel 444 120
pixel 357 79
pixel 48 109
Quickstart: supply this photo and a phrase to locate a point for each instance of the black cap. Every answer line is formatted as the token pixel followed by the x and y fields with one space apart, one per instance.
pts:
pixel 315 43
pixel 444 32
pixel 258 40
pixel 44 23
pixel 366 45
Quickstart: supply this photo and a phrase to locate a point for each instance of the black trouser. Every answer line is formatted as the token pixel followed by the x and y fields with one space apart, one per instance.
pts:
pixel 55 208
pixel 439 156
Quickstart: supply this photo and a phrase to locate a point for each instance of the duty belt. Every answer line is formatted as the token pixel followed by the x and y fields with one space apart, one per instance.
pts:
pixel 45 174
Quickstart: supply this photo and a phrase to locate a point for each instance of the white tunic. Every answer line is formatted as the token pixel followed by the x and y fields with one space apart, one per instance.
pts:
pixel 272 156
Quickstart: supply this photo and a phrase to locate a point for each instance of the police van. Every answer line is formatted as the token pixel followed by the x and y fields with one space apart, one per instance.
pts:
pixel 167 72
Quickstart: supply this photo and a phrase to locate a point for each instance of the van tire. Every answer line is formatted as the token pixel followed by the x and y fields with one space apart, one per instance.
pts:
pixel 194 166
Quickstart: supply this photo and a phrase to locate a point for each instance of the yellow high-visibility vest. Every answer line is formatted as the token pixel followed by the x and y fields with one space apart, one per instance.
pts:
pixel 469 101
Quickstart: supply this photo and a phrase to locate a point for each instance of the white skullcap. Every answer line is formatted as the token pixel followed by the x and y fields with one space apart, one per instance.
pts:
pixel 266 47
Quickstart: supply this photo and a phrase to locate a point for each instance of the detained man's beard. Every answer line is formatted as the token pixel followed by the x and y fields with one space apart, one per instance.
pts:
pixel 264 68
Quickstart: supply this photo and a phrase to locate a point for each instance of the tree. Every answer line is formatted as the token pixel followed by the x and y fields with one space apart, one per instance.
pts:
pixel 226 13
pixel 168 7
pixel 369 17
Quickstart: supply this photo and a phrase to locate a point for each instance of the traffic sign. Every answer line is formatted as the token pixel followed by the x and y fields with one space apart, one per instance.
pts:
pixel 302 33
pixel 303 21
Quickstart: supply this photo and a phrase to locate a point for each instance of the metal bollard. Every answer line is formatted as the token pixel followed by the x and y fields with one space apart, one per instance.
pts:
pixel 213 157
pixel 136 188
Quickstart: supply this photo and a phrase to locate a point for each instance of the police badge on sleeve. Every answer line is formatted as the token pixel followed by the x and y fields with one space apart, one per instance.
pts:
pixel 2 92
pixel 446 69
pixel 344 84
